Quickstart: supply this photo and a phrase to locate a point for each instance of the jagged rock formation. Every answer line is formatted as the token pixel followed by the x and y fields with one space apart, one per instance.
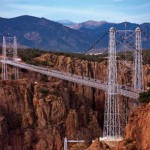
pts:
pixel 40 116
pixel 137 130
pixel 97 145
pixel 137 135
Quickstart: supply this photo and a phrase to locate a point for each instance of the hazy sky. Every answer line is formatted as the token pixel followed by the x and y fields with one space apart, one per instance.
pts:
pixel 137 11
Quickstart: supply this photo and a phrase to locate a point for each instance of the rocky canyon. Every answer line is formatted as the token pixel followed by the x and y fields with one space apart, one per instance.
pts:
pixel 37 112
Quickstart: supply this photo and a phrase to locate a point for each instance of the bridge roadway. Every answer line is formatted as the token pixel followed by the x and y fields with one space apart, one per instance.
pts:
pixel 73 78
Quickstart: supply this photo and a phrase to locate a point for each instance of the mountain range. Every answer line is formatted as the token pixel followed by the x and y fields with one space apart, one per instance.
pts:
pixel 90 24
pixel 63 35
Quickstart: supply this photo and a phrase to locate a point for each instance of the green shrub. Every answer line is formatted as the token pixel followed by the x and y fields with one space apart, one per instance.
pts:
pixel 129 141
pixel 44 77
pixel 44 91
pixel 45 63
pixel 145 97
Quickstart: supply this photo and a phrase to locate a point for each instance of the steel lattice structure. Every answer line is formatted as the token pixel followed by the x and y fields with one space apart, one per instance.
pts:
pixel 138 67
pixel 4 74
pixel 112 124
pixel 15 56
pixel 13 46
pixel 111 115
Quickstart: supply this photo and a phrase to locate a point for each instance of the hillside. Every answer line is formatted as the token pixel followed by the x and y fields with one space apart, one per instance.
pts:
pixel 98 28
pixel 91 24
pixel 45 34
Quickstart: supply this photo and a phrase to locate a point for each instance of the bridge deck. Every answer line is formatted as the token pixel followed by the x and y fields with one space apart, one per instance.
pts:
pixel 72 78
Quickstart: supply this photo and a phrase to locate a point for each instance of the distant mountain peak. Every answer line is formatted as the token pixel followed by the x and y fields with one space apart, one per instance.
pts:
pixel 90 24
pixel 66 22
pixel 94 23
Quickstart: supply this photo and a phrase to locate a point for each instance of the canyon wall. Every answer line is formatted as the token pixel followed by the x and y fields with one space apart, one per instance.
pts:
pixel 138 128
pixel 39 115
pixel 137 135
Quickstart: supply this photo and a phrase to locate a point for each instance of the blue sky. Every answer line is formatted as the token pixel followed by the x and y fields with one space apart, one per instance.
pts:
pixel 137 11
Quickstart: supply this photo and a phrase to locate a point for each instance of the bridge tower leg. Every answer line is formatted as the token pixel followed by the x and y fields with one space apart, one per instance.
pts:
pixel 15 69
pixel 112 125
pixel 4 75
pixel 65 144
pixel 138 67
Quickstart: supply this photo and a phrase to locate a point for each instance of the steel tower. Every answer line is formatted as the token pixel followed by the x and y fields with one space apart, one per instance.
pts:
pixel 111 115
pixel 65 144
pixel 13 52
pixel 138 67
pixel 15 69
pixel 4 75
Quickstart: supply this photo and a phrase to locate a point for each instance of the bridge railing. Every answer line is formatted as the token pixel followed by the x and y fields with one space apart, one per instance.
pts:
pixel 122 90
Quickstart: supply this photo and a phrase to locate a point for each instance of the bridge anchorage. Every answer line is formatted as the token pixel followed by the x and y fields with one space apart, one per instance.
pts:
pixel 9 52
pixel 112 130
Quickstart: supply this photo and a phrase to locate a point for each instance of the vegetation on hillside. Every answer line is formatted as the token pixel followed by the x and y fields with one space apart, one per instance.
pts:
pixel 129 55
pixel 97 58
pixel 146 57
pixel 28 55
pixel 145 97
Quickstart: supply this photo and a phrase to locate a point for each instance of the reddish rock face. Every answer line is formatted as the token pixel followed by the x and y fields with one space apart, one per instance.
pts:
pixel 138 128
pixel 39 116
pixel 97 145
pixel 3 131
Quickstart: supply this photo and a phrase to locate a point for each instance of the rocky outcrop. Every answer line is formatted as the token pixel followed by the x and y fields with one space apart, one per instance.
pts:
pixel 3 131
pixel 40 116
pixel 97 145
pixel 137 130
pixel 93 69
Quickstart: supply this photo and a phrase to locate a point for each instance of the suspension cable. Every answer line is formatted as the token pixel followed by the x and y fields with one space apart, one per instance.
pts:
pixel 96 43
pixel 119 42
pixel 146 35
pixel 128 42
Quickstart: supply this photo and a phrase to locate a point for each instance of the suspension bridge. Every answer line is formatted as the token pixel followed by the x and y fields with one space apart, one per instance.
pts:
pixel 112 123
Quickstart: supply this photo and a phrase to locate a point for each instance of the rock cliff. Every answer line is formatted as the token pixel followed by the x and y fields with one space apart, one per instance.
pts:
pixel 137 129
pixel 38 116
